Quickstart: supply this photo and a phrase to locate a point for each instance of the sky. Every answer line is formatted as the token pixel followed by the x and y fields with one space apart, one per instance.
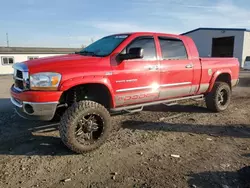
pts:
pixel 73 23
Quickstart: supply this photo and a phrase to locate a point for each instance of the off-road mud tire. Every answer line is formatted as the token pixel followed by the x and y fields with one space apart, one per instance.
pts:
pixel 211 98
pixel 70 119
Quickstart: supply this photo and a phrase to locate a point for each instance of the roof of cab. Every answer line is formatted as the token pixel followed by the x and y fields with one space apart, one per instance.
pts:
pixel 150 33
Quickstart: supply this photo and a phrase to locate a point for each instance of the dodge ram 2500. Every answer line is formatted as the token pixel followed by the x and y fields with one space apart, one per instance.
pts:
pixel 120 72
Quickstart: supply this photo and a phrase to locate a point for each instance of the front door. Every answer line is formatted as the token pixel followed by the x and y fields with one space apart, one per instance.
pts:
pixel 176 72
pixel 136 80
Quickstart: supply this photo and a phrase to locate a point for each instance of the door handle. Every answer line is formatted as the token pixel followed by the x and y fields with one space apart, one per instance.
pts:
pixel 153 67
pixel 189 66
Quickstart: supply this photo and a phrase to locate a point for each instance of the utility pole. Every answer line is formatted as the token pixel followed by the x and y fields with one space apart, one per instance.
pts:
pixel 7 37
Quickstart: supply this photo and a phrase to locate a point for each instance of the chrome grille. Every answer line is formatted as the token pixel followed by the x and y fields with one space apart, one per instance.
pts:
pixel 21 76
pixel 18 80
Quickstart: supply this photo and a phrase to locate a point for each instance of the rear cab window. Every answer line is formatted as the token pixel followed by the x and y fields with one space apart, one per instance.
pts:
pixel 172 48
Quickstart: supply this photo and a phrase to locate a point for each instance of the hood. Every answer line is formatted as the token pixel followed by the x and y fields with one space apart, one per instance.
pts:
pixel 60 63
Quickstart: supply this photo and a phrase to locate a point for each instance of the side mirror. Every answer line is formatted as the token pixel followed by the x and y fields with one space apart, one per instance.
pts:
pixel 134 53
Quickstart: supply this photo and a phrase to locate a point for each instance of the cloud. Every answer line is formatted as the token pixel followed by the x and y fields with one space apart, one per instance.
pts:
pixel 123 27
pixel 82 39
pixel 28 2
pixel 168 16
pixel 52 41
pixel 225 14
pixel 116 27
pixel 221 14
pixel 200 6
pixel 181 16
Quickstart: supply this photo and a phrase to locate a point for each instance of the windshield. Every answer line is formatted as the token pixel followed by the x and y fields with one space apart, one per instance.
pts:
pixel 103 46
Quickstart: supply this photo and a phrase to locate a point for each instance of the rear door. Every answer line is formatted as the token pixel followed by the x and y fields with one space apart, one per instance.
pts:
pixel 135 80
pixel 176 69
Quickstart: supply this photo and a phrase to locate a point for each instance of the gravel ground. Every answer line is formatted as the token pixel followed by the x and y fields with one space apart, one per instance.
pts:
pixel 178 146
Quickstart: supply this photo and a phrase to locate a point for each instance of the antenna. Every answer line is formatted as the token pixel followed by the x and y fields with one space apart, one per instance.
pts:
pixel 7 37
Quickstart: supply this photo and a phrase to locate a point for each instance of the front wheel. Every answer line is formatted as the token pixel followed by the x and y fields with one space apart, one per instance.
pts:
pixel 85 126
pixel 219 98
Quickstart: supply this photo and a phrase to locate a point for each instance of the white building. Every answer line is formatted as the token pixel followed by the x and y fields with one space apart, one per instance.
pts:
pixel 222 42
pixel 10 55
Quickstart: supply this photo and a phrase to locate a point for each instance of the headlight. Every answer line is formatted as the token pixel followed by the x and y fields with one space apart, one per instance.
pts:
pixel 45 81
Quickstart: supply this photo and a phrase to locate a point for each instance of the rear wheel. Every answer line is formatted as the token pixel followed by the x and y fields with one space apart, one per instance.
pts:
pixel 85 126
pixel 219 98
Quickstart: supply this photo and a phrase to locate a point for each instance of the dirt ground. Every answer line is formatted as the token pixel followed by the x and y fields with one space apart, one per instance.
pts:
pixel 213 149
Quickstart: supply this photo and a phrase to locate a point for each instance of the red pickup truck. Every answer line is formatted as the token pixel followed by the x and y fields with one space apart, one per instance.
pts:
pixel 118 73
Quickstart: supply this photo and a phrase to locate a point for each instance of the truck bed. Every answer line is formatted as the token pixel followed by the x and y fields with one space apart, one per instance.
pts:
pixel 215 64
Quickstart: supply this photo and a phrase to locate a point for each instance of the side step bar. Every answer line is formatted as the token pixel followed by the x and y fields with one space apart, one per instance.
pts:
pixel 134 110
pixel 140 106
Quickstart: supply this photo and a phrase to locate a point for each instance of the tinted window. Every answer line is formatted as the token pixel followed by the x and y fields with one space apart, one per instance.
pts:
pixel 172 49
pixel 11 60
pixel 5 61
pixel 148 45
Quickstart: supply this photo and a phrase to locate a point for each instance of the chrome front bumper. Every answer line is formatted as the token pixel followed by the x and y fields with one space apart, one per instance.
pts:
pixel 35 111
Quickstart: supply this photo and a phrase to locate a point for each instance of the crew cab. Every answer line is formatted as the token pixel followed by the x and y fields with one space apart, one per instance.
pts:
pixel 118 73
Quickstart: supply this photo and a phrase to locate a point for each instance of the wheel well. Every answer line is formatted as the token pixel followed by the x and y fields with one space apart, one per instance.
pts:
pixel 95 92
pixel 225 77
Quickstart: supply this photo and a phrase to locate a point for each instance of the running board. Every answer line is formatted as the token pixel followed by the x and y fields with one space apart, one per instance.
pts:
pixel 140 106
pixel 199 99
pixel 171 104
pixel 134 110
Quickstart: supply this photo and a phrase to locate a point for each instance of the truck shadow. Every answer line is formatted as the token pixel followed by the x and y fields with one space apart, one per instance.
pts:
pixel 247 155
pixel 239 178
pixel 38 140
pixel 238 131
pixel 24 137
pixel 177 108
pixel 244 82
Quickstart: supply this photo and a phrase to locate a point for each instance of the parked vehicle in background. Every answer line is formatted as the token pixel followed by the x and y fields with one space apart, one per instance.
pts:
pixel 121 72
pixel 247 63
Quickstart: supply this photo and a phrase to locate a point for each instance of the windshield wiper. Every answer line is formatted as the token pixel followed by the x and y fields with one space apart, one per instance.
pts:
pixel 87 53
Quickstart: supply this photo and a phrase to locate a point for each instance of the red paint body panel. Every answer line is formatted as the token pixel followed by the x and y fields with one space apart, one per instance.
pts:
pixel 219 66
pixel 37 96
pixel 129 81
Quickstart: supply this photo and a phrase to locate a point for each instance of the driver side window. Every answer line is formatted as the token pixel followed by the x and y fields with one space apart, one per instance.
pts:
pixel 148 46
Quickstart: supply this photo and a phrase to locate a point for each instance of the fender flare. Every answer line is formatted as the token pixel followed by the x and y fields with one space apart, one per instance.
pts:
pixel 68 84
pixel 216 75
